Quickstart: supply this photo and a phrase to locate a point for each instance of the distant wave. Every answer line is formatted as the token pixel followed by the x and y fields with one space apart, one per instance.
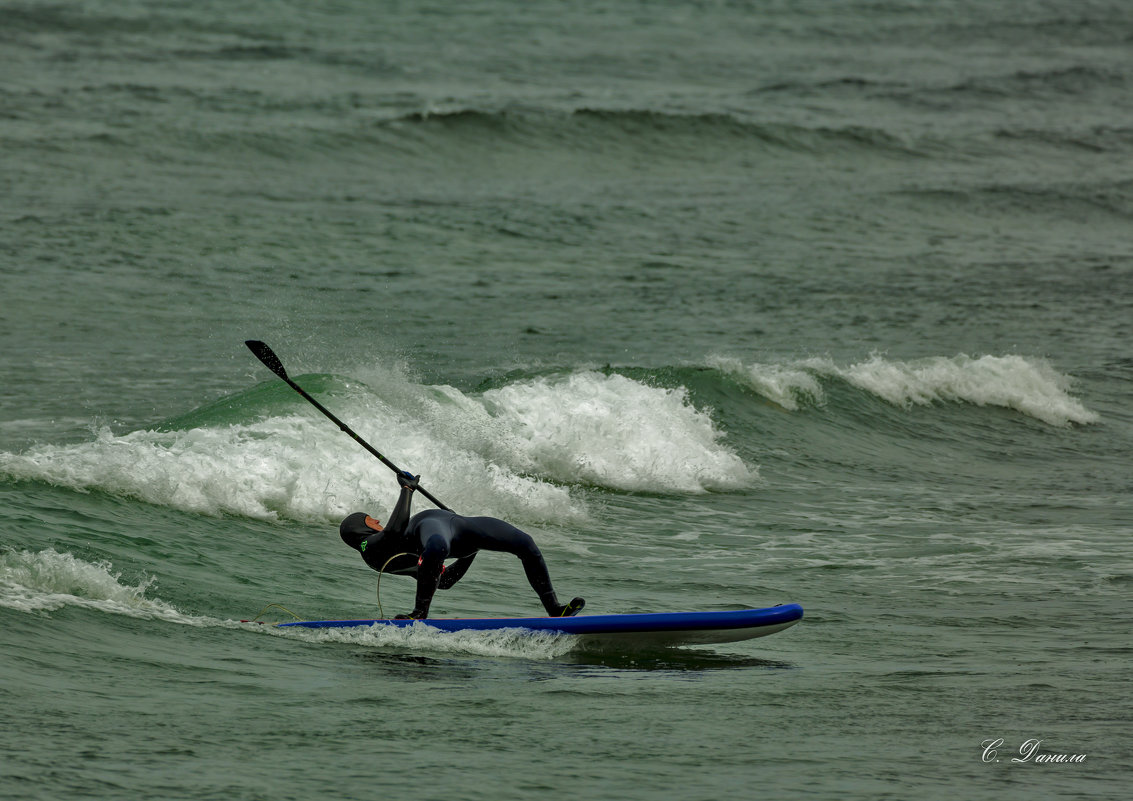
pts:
pixel 1029 386
pixel 585 126
pixel 1073 80
pixel 427 134
pixel 1098 200
pixel 1094 139
pixel 242 120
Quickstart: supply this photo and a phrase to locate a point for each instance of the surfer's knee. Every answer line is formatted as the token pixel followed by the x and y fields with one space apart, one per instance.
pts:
pixel 523 545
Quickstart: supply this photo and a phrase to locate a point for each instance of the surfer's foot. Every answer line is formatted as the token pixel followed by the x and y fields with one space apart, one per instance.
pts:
pixel 416 614
pixel 572 609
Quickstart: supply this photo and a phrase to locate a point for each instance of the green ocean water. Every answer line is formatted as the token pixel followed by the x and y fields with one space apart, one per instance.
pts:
pixel 727 304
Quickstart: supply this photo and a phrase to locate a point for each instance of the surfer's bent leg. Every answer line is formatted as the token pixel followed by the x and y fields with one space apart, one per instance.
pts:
pixel 498 535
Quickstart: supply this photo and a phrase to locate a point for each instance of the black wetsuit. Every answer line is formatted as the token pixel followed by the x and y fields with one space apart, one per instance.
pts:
pixel 418 546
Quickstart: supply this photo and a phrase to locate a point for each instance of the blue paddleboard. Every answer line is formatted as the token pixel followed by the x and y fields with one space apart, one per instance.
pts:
pixel 654 628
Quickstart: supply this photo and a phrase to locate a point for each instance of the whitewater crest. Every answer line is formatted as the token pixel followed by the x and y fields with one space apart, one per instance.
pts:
pixel 612 431
pixel 523 452
pixel 1029 386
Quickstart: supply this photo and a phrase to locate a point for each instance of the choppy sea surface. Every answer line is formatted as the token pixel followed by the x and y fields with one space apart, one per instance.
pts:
pixel 726 303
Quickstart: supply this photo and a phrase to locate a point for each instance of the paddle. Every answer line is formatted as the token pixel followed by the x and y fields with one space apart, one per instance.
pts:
pixel 272 362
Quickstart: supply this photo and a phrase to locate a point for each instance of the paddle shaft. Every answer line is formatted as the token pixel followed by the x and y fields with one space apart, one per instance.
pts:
pixel 272 362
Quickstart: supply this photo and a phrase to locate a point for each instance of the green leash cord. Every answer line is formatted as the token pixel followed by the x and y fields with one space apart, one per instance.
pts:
pixel 269 606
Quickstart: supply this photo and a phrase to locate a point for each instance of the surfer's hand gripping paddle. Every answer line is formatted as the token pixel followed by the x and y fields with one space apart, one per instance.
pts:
pixel 272 362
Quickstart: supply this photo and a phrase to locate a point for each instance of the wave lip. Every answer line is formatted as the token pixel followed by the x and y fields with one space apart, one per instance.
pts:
pixel 613 431
pixel 1029 386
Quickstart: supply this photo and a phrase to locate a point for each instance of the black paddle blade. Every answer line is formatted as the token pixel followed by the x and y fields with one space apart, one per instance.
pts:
pixel 267 356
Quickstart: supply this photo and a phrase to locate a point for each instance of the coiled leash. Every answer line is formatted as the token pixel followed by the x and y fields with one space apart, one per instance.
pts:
pixel 256 619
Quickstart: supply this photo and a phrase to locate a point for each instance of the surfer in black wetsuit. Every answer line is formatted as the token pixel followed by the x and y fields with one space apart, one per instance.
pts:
pixel 418 546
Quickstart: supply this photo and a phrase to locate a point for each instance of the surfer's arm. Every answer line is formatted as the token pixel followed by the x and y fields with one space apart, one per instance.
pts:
pixel 453 573
pixel 399 517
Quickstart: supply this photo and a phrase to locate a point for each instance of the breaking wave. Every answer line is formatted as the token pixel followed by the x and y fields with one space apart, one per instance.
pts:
pixel 523 451
pixel 1029 386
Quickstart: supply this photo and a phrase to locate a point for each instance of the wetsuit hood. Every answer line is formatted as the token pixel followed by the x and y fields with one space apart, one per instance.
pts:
pixel 353 530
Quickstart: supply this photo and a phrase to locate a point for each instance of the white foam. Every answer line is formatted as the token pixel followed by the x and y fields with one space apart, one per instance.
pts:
pixel 420 637
pixel 506 454
pixel 295 467
pixel 46 581
pixel 1030 386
